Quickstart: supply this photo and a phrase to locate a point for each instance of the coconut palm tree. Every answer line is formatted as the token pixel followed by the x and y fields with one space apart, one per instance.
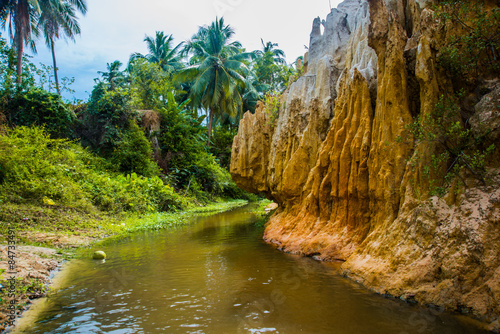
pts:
pixel 269 47
pixel 271 67
pixel 19 18
pixel 218 71
pixel 114 77
pixel 60 16
pixel 161 52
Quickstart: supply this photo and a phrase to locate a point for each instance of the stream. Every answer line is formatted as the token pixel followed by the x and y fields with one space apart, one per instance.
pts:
pixel 217 275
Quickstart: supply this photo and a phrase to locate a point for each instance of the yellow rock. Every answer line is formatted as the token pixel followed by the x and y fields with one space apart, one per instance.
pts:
pixel 343 180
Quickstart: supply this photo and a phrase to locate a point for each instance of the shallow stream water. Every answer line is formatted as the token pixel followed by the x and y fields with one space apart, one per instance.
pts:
pixel 218 276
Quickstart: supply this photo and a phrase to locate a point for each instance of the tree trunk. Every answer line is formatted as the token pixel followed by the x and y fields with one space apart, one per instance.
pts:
pixel 56 78
pixel 19 67
pixel 210 120
pixel 19 42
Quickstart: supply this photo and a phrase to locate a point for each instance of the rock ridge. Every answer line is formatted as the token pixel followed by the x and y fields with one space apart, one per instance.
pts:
pixel 348 189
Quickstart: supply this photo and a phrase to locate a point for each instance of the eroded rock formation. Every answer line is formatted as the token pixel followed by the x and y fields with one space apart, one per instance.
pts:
pixel 347 186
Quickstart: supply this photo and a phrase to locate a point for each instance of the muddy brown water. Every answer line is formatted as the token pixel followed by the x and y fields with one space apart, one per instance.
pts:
pixel 218 276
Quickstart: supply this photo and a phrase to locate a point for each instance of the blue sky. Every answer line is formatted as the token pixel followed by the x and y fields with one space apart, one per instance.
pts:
pixel 113 29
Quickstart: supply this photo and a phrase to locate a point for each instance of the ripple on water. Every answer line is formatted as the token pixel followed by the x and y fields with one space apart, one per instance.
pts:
pixel 217 276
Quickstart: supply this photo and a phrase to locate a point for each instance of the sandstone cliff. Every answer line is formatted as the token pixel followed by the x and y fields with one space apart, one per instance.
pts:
pixel 348 189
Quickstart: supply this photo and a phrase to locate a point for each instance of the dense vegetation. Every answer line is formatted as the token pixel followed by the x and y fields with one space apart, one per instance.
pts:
pixel 153 138
pixel 155 135
pixel 469 56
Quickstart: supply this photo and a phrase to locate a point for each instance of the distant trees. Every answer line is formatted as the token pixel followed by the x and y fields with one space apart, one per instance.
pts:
pixel 113 77
pixel 218 71
pixel 271 69
pixel 161 52
pixel 21 18
pixel 211 70
pixel 60 17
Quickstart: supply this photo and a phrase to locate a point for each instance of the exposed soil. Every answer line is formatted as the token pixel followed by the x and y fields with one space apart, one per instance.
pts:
pixel 33 268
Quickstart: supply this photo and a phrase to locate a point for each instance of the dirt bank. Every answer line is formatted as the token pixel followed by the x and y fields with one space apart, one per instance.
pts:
pixel 25 278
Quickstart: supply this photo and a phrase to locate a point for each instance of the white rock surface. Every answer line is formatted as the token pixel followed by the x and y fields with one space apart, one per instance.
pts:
pixel 343 45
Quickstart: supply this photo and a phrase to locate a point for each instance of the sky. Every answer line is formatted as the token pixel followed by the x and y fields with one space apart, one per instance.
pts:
pixel 114 29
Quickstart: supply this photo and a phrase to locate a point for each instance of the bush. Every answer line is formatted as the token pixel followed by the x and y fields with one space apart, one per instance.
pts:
pixel 37 168
pixel 459 152
pixel 473 48
pixel 133 153
pixel 132 193
pixel 107 117
pixel 222 142
pixel 41 108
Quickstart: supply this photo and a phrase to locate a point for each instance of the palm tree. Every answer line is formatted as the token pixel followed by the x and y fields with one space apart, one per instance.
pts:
pixel 56 16
pixel 269 47
pixel 271 67
pixel 113 76
pixel 161 52
pixel 19 17
pixel 218 71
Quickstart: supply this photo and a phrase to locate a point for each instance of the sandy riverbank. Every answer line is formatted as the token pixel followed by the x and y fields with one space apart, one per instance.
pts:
pixel 34 268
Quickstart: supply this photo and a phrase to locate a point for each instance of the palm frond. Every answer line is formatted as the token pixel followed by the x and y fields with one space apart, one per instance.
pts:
pixel 187 74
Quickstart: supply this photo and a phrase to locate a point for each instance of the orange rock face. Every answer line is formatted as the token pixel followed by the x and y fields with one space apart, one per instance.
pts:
pixel 345 183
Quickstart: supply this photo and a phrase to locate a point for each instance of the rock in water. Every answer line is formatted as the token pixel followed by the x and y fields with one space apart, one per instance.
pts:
pixel 99 255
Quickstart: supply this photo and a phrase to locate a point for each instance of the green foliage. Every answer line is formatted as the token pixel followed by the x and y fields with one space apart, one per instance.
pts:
pixel 222 142
pixel 108 114
pixel 272 105
pixel 273 74
pixel 8 87
pixel 460 153
pixel 33 77
pixel 125 177
pixel 28 104
pixel 36 168
pixel 475 48
pixel 150 85
pixel 7 69
pixel 132 193
pixel 181 137
pixel 41 108
pixel 133 153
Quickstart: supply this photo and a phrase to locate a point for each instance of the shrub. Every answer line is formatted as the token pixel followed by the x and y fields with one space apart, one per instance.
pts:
pixel 133 153
pixel 272 105
pixel 460 153
pixel 35 167
pixel 473 48
pixel 107 116
pixel 41 108
pixel 222 141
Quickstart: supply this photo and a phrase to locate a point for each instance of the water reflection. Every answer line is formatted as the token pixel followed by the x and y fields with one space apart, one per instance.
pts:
pixel 218 276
